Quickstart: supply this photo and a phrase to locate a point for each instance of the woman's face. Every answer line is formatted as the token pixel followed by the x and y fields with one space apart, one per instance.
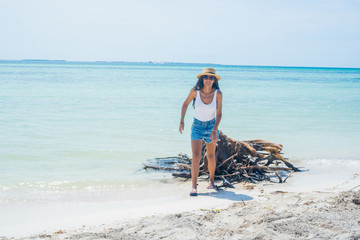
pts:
pixel 208 80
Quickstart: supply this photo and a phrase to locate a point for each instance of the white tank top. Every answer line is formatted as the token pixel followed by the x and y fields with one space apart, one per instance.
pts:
pixel 205 112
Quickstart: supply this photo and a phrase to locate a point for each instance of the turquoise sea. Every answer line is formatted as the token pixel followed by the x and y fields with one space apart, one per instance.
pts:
pixel 71 127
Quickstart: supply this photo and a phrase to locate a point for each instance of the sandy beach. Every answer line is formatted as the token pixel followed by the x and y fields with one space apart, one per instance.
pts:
pixel 315 204
pixel 276 215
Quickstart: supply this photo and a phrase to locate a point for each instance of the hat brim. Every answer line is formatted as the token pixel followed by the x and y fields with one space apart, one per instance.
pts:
pixel 203 74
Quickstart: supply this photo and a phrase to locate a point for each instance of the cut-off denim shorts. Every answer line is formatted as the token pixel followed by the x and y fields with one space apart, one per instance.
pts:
pixel 201 130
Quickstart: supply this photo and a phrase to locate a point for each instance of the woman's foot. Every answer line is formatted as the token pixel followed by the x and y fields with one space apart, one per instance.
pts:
pixel 211 185
pixel 193 193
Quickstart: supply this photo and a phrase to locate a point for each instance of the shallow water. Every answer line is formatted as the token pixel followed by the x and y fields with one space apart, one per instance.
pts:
pixel 69 128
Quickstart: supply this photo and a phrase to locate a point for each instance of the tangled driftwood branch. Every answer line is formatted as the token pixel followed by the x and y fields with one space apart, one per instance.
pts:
pixel 236 161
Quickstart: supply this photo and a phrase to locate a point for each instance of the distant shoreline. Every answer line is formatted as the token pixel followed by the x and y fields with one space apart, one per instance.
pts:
pixel 156 63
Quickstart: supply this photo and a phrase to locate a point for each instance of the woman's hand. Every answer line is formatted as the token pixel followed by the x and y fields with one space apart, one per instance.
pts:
pixel 213 136
pixel 181 127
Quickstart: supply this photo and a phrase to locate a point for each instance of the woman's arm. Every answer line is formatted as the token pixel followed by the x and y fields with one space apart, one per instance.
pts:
pixel 219 97
pixel 185 105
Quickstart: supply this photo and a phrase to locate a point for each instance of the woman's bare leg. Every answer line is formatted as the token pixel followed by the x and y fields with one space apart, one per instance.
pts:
pixel 196 156
pixel 210 153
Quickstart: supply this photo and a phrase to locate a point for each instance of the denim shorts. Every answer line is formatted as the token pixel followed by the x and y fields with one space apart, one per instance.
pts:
pixel 201 130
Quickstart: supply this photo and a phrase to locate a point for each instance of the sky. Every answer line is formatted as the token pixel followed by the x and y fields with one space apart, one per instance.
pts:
pixel 315 33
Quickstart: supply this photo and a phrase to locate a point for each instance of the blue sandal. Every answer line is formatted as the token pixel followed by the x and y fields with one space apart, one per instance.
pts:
pixel 193 193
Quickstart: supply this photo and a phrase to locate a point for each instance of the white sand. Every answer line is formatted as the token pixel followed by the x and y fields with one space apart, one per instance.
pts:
pixel 311 205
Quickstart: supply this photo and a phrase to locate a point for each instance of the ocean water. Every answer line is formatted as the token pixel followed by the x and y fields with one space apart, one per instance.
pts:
pixel 74 127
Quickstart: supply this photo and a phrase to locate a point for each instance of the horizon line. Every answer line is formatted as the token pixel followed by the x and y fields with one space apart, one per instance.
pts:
pixel 161 63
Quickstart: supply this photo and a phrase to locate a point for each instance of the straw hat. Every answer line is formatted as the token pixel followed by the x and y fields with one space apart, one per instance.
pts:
pixel 209 71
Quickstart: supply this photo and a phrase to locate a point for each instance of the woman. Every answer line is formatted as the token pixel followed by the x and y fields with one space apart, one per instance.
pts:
pixel 207 100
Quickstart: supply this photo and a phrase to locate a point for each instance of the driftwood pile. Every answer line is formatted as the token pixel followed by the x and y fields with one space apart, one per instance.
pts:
pixel 236 161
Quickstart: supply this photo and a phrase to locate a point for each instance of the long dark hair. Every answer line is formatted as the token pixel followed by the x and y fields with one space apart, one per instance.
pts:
pixel 200 85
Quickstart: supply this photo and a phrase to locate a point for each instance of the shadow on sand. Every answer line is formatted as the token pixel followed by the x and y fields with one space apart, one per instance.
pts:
pixel 222 194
